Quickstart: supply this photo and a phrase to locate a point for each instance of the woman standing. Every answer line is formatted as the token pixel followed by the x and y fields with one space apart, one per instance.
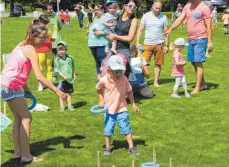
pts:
pixel 13 78
pixel 125 29
pixel 97 40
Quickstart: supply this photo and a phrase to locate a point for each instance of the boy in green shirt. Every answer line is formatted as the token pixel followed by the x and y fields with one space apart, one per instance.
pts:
pixel 64 74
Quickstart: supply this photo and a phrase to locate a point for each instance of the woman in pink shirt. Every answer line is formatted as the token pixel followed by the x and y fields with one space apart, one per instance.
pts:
pixel 13 78
pixel 178 68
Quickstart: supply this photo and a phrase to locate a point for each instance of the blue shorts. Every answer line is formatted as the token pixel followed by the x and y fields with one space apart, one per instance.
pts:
pixel 197 50
pixel 8 94
pixel 123 123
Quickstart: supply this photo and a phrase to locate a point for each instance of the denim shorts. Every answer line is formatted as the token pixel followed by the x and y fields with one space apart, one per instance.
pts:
pixel 121 118
pixel 8 94
pixel 197 50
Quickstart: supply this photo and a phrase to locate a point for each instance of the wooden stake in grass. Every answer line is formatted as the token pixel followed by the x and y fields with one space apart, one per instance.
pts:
pixel 98 159
pixel 171 162
pixel 133 162
pixel 154 157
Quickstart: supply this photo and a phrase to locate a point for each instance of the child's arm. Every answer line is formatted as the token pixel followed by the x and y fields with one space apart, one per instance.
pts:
pixel 109 24
pixel 57 70
pixel 145 69
pixel 101 98
pixel 131 98
pixel 62 76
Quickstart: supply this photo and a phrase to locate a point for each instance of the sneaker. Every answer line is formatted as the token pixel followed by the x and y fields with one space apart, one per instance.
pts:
pixel 107 151
pixel 204 87
pixel 62 109
pixel 40 88
pixel 174 95
pixel 71 108
pixel 187 95
pixel 134 151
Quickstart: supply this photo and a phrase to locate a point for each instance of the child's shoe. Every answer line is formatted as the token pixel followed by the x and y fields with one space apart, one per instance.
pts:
pixel 40 88
pixel 71 108
pixel 187 95
pixel 107 151
pixel 134 151
pixel 174 95
pixel 62 109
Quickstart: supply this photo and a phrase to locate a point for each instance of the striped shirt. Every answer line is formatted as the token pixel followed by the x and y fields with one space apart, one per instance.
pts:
pixel 154 26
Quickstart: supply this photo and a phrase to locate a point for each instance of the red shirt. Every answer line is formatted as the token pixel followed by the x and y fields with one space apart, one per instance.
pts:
pixel 46 47
pixel 62 16
pixel 67 17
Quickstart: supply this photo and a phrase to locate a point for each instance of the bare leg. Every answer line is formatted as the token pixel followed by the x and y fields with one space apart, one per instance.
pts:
pixel 61 102
pixel 69 99
pixel 130 140
pixel 108 142
pixel 16 135
pixel 199 77
pixel 157 71
pixel 203 83
pixel 18 106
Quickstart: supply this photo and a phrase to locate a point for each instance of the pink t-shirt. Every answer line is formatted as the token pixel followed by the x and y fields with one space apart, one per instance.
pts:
pixel 177 70
pixel 195 20
pixel 16 70
pixel 115 93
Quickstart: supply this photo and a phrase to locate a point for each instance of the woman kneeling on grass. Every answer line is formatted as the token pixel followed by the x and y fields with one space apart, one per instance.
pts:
pixel 13 78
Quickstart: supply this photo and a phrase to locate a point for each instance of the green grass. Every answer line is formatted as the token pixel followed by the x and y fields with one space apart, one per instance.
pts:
pixel 194 132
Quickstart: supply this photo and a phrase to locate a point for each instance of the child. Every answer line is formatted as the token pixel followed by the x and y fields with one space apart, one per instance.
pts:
pixel 62 16
pixel 178 68
pixel 110 22
pixel 141 71
pixel 112 91
pixel 67 18
pixel 225 20
pixel 64 74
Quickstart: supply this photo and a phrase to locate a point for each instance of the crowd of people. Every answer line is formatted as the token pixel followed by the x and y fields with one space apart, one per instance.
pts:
pixel 121 67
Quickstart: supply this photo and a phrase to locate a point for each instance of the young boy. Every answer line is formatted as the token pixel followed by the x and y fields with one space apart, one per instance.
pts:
pixel 112 91
pixel 64 74
pixel 225 19
pixel 67 18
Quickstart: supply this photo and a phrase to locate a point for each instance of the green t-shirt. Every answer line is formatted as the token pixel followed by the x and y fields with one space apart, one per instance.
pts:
pixel 66 66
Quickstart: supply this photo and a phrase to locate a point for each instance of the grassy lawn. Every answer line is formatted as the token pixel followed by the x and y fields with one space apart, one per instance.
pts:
pixel 194 132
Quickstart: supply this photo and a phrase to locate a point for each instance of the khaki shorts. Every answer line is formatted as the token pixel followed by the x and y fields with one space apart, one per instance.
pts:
pixel 157 50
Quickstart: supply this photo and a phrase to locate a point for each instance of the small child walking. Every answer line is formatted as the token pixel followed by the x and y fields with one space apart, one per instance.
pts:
pixel 113 89
pixel 64 74
pixel 178 68
pixel 67 18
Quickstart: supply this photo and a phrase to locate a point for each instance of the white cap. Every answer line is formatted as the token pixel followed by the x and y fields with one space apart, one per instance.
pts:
pixel 62 43
pixel 180 42
pixel 116 62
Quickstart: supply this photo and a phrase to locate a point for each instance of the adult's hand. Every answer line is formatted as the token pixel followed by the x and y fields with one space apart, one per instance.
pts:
pixel 167 33
pixel 210 47
pixel 165 49
pixel 61 94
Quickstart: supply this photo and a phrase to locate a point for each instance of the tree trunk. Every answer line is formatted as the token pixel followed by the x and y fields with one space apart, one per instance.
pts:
pixel 11 6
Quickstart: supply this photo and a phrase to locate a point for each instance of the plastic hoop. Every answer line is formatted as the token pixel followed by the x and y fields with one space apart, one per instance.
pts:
pixel 95 110
pixel 150 164
pixel 28 95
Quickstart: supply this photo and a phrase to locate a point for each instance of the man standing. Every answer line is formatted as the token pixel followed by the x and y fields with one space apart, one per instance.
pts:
pixel 54 25
pixel 225 19
pixel 199 35
pixel 214 19
pixel 154 23
pixel 80 15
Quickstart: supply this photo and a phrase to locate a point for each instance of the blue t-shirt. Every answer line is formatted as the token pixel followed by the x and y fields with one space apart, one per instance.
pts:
pixel 97 40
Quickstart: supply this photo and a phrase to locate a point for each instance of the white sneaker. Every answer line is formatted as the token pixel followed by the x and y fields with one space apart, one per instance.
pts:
pixel 40 88
pixel 174 95
pixel 187 95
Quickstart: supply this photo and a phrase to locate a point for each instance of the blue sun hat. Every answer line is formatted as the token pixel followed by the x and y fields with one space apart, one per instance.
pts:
pixel 108 2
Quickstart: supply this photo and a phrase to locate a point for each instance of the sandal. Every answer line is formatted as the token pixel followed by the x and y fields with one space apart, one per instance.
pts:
pixel 34 159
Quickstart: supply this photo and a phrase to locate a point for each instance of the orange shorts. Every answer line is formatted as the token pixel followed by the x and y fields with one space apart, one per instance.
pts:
pixel 157 50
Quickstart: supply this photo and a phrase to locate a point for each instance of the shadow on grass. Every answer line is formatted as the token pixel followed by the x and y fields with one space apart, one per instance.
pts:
pixel 118 144
pixel 79 104
pixel 161 81
pixel 40 147
pixel 210 85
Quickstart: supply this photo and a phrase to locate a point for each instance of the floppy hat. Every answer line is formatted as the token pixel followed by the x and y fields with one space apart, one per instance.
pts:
pixel 62 43
pixel 116 62
pixel 180 42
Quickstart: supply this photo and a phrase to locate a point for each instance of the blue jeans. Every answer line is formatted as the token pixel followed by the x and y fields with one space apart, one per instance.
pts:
pixel 80 20
pixel 99 55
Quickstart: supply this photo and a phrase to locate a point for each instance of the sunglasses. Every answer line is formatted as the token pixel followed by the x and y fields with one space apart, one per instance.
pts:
pixel 132 6
pixel 96 10
pixel 42 38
